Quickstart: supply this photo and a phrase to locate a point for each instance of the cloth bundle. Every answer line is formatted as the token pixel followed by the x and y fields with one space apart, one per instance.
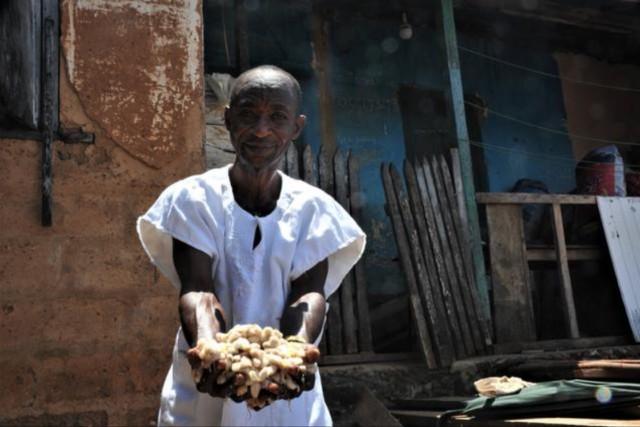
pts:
pixel 258 365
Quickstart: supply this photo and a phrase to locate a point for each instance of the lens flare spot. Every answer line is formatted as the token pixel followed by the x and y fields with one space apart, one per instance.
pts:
pixel 603 394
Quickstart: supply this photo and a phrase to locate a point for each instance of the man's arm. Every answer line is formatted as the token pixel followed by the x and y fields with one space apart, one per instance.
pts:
pixel 201 313
pixel 306 304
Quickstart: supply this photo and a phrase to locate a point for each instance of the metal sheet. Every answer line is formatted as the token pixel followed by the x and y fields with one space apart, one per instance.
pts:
pixel 620 218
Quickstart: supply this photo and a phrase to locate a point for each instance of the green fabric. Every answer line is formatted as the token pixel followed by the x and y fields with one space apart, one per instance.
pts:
pixel 546 396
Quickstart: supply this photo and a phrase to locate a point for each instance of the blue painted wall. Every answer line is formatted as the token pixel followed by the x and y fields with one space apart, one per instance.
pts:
pixel 512 149
pixel 369 63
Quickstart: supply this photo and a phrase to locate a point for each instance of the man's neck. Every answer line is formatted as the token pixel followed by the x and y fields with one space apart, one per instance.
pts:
pixel 257 192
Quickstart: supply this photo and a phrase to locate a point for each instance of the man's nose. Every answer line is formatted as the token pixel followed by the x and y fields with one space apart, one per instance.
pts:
pixel 262 127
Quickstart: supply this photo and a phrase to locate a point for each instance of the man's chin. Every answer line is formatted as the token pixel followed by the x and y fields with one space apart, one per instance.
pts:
pixel 257 165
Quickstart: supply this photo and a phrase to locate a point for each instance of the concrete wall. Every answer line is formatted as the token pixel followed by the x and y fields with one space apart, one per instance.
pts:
pixel 87 325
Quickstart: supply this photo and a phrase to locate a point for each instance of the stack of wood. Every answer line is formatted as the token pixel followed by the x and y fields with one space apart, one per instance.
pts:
pixel 432 240
pixel 348 329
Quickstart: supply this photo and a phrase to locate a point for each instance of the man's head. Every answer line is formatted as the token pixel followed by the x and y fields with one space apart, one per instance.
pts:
pixel 263 116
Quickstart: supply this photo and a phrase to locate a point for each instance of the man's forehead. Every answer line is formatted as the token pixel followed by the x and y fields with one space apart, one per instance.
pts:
pixel 265 85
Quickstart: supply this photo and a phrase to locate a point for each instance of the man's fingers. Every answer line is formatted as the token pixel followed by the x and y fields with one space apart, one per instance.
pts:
pixel 311 354
pixel 194 358
pixel 204 385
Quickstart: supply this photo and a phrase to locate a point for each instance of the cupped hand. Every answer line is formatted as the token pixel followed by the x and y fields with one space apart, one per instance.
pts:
pixel 207 376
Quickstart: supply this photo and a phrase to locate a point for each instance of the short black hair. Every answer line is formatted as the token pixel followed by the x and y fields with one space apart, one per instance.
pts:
pixel 295 86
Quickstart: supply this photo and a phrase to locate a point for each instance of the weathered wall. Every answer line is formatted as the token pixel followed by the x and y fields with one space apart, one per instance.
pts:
pixel 86 324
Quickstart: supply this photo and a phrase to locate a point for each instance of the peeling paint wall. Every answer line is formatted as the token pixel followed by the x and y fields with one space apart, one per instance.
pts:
pixel 137 70
pixel 86 322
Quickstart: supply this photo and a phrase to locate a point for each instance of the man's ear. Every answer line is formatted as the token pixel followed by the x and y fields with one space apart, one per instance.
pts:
pixel 301 120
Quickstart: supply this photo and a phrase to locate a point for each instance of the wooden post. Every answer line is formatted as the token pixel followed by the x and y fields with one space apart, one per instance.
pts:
pixel 513 318
pixel 365 341
pixel 349 328
pixel 563 268
pixel 462 137
pixel 322 69
pixel 242 36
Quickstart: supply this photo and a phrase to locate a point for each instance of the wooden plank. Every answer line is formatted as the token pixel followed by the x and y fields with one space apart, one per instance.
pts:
pixel 311 177
pixel 370 411
pixel 322 69
pixel 560 344
pixel 334 322
pixel 513 312
pixel 457 179
pixel 292 161
pixel 431 292
pixel 573 254
pixel 533 198
pixel 481 289
pixel 424 340
pixel 563 267
pixel 480 325
pixel 361 358
pixel 349 333
pixel 417 257
pixel 456 97
pixel 621 222
pixel 241 35
pixel 443 275
pixel 309 169
pixel 448 257
pixel 465 275
pixel 365 341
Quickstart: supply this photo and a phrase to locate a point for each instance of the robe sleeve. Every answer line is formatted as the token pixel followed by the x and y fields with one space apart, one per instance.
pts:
pixel 327 232
pixel 181 212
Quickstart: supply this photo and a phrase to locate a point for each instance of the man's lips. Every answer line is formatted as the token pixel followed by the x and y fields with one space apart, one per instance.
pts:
pixel 259 146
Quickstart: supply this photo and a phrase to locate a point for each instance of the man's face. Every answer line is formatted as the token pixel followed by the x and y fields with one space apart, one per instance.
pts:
pixel 263 120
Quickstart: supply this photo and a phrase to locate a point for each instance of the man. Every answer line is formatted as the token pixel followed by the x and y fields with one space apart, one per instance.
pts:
pixel 247 244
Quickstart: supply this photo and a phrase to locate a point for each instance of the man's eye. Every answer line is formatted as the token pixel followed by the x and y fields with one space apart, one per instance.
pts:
pixel 278 116
pixel 246 114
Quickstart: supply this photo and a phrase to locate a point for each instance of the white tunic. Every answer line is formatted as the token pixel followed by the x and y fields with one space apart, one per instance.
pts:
pixel 252 284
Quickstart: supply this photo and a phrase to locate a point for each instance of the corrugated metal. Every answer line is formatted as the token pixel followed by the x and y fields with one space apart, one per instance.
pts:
pixel 621 220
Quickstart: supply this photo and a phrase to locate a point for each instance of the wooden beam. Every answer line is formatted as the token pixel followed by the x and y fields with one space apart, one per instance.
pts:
pixel 349 328
pixel 560 344
pixel 513 312
pixel 365 341
pixel 563 267
pixel 531 198
pixel 322 68
pixel 242 35
pixel 360 358
pixel 462 138
pixel 573 254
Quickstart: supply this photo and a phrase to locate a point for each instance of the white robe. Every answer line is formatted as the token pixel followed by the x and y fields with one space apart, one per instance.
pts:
pixel 252 285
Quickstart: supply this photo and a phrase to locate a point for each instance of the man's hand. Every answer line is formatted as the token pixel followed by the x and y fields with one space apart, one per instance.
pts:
pixel 208 378
pixel 305 380
pixel 201 314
